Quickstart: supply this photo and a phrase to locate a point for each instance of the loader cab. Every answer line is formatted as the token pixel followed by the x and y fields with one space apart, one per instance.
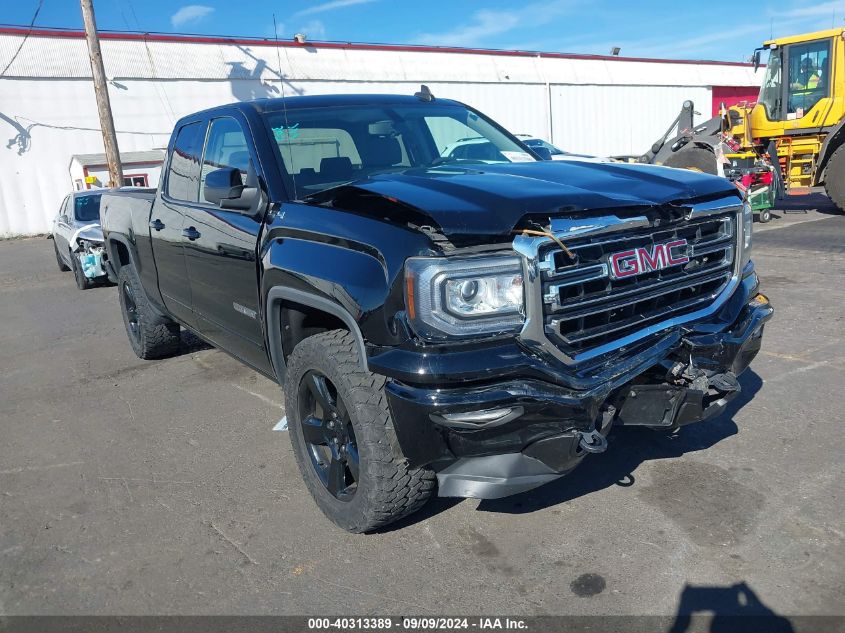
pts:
pixel 799 90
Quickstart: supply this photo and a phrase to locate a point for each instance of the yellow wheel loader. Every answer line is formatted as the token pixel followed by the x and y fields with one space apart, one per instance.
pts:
pixel 797 124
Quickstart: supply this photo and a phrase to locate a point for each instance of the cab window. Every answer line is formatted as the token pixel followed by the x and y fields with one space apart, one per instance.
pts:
pixel 809 77
pixel 226 147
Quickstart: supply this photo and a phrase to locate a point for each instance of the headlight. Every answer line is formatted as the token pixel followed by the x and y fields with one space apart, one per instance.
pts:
pixel 747 222
pixel 464 297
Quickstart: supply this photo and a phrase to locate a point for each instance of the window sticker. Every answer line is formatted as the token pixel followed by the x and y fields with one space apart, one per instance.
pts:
pixel 283 133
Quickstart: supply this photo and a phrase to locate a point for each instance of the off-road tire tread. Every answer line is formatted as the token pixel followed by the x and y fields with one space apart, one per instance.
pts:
pixel 396 490
pixel 693 158
pixel 834 178
pixel 157 339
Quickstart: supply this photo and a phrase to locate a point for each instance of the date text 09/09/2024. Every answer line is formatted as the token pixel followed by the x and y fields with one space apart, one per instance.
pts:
pixel 416 624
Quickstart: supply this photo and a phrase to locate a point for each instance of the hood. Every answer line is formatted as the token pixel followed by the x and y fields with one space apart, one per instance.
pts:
pixel 90 232
pixel 492 199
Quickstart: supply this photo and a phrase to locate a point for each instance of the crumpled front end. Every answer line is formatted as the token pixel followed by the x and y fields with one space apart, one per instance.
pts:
pixel 662 348
pixel 87 243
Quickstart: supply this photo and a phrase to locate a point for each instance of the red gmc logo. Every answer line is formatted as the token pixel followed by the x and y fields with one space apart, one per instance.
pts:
pixel 644 260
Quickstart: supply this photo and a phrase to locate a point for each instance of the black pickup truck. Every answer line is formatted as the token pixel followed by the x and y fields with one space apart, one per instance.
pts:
pixel 446 311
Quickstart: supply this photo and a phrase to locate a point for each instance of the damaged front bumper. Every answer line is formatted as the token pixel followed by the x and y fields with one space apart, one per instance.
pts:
pixel 494 439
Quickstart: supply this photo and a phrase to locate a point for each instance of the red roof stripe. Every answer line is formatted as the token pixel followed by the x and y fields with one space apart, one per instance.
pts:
pixel 246 41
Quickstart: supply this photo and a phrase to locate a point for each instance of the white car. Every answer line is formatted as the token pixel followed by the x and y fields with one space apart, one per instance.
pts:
pixel 78 238
pixel 558 154
pixel 480 149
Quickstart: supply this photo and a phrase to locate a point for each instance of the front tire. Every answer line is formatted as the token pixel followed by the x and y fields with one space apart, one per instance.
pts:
pixel 149 335
pixel 61 263
pixel 694 159
pixel 765 216
pixel 834 178
pixel 343 437
pixel 82 282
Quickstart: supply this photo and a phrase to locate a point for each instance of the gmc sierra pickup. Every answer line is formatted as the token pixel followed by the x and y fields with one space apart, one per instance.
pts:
pixel 472 325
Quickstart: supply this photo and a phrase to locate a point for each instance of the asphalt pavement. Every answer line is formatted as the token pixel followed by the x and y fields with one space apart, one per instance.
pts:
pixel 159 487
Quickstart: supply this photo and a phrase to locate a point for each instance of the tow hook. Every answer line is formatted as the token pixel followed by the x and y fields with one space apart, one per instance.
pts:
pixel 592 441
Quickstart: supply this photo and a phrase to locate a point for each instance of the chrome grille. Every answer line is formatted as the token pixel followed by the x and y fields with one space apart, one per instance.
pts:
pixel 585 307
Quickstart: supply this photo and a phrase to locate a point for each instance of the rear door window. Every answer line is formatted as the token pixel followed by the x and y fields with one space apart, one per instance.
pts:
pixel 183 173
pixel 63 215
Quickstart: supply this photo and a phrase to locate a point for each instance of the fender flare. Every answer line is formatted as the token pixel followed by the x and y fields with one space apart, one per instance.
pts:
pixel 279 295
pixel 110 248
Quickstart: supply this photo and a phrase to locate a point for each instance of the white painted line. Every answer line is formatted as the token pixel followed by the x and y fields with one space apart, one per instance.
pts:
pixel 800 370
pixel 281 425
pixel 264 399
pixel 23 469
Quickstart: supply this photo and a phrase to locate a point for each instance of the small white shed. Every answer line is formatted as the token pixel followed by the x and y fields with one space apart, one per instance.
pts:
pixel 140 169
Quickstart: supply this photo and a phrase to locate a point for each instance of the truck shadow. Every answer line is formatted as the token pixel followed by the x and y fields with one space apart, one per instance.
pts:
pixel 730 609
pixel 628 448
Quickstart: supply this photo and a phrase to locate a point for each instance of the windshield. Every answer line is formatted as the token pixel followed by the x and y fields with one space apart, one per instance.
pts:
pixel 770 91
pixel 325 147
pixel 87 208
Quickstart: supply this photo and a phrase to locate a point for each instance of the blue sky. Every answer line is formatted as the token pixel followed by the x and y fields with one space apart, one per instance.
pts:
pixel 646 28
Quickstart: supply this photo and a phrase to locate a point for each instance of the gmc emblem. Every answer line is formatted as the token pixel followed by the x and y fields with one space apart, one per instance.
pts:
pixel 644 260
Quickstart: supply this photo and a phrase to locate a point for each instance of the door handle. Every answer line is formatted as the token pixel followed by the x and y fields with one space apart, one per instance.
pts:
pixel 157 224
pixel 191 233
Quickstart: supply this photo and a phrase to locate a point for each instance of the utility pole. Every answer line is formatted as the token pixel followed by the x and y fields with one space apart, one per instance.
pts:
pixel 101 91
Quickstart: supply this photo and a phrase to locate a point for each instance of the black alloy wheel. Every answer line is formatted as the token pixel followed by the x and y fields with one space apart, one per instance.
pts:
pixel 329 436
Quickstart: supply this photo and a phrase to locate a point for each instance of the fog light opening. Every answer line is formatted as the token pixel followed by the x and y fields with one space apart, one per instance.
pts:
pixel 480 419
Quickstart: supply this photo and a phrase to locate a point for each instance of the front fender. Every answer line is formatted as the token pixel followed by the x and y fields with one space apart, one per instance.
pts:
pixel 351 264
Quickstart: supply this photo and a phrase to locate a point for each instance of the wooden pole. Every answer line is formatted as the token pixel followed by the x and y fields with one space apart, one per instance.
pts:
pixel 101 91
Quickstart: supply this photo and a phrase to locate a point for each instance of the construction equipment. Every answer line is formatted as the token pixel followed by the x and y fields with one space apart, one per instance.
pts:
pixel 802 109
pixel 797 124
pixel 709 148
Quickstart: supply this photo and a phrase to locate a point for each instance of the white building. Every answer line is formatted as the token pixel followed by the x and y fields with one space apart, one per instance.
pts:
pixel 48 115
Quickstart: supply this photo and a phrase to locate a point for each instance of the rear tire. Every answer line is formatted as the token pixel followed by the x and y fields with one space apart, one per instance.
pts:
pixel 694 159
pixel 765 216
pixel 62 266
pixel 344 440
pixel 149 335
pixel 82 282
pixel 834 178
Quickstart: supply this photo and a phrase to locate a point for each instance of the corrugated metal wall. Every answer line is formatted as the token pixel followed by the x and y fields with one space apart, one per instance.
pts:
pixel 48 112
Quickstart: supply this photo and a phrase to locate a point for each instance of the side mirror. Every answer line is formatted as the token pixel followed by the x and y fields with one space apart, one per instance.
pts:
pixel 223 184
pixel 543 152
pixel 756 60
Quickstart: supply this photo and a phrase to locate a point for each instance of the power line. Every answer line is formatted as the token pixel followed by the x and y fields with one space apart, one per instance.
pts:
pixel 25 38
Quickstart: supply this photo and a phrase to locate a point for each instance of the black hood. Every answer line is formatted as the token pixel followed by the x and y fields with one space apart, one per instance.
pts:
pixel 492 199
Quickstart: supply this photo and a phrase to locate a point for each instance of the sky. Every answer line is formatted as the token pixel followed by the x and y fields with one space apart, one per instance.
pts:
pixel 644 28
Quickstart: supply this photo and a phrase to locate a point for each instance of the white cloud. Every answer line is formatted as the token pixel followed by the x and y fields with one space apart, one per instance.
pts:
pixel 315 30
pixel 329 6
pixel 692 45
pixel 486 23
pixel 189 14
pixel 821 10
